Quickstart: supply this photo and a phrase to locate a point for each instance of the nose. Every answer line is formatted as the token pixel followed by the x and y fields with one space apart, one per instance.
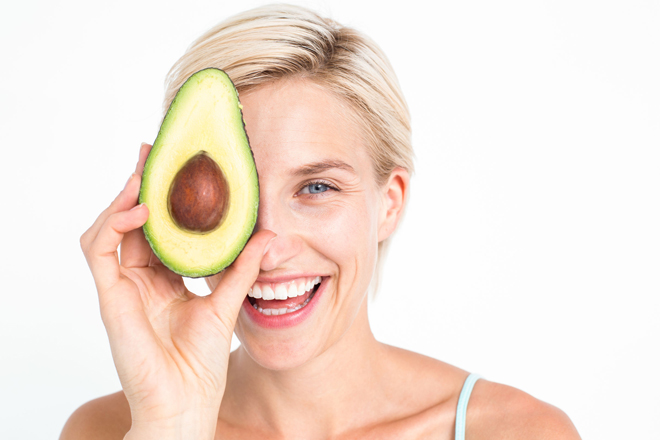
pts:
pixel 272 215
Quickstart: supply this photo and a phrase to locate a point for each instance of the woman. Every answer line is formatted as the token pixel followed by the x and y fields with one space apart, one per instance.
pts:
pixel 330 135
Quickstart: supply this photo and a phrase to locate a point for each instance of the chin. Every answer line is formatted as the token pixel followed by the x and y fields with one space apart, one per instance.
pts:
pixel 279 355
pixel 287 341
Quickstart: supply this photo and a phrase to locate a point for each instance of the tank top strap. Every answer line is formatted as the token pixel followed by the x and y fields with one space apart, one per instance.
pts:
pixel 461 408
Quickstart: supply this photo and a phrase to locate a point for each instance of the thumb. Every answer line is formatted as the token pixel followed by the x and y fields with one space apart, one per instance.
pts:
pixel 228 295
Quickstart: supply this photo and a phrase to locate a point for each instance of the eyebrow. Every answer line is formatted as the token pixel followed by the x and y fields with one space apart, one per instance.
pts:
pixel 317 167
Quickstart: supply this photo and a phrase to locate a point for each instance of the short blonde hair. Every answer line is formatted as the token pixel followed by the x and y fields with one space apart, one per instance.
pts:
pixel 278 41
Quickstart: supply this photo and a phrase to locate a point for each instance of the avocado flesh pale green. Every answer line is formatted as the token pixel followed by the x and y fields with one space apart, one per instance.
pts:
pixel 204 122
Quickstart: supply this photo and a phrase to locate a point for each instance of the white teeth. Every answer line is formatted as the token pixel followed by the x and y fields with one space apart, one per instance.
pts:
pixel 281 311
pixel 280 292
pixel 293 291
pixel 256 291
pixel 283 291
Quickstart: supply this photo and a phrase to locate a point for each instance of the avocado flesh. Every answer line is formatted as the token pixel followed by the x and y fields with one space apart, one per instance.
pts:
pixel 204 119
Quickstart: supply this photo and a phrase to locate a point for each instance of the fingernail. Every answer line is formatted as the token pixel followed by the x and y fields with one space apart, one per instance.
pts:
pixel 141 148
pixel 268 244
pixel 129 180
pixel 136 207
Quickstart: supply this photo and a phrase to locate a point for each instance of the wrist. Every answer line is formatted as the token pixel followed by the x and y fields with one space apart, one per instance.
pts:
pixel 198 425
pixel 167 433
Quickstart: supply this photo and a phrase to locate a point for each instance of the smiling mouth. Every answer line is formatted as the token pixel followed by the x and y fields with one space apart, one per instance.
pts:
pixel 283 298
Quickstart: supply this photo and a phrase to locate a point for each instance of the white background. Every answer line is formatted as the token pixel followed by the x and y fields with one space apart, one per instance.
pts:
pixel 531 249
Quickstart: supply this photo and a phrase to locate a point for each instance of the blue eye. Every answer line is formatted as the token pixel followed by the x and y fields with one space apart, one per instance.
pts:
pixel 316 188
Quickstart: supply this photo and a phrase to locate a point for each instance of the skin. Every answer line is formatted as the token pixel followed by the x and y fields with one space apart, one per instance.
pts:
pixel 326 378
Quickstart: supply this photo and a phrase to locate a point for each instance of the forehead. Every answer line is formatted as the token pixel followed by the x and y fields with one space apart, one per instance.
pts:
pixel 294 122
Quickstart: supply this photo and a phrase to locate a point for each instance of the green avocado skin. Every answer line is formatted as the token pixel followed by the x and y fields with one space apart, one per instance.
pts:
pixel 187 129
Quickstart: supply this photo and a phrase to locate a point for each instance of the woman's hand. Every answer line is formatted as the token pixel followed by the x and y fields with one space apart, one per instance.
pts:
pixel 170 347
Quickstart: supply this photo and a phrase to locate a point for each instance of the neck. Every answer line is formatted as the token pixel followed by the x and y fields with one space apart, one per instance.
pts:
pixel 335 389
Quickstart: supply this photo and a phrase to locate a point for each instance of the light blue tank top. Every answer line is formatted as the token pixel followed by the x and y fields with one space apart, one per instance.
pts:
pixel 461 408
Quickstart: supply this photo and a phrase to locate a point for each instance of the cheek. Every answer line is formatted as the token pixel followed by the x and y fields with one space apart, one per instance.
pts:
pixel 343 230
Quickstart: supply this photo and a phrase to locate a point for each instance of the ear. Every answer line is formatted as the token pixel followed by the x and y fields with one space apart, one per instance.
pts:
pixel 393 200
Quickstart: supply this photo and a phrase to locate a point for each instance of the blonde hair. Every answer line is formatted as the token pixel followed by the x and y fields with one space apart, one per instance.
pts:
pixel 278 41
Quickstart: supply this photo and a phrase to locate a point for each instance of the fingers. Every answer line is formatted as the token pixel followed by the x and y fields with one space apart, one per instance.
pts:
pixel 145 149
pixel 135 251
pixel 124 201
pixel 102 252
pixel 237 279
pixel 154 261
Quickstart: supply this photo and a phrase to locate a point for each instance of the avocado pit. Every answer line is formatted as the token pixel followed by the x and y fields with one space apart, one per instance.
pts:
pixel 198 196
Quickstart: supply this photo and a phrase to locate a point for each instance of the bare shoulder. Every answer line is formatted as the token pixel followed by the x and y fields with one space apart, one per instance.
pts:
pixel 501 411
pixel 105 418
pixel 429 393
pixel 428 381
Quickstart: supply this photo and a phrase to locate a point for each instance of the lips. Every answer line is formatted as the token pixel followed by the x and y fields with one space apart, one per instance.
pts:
pixel 277 313
pixel 281 298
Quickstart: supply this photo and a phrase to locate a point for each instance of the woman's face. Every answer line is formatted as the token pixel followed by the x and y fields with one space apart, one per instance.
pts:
pixel 319 195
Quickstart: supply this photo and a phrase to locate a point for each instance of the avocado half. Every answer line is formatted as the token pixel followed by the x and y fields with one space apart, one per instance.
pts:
pixel 200 181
